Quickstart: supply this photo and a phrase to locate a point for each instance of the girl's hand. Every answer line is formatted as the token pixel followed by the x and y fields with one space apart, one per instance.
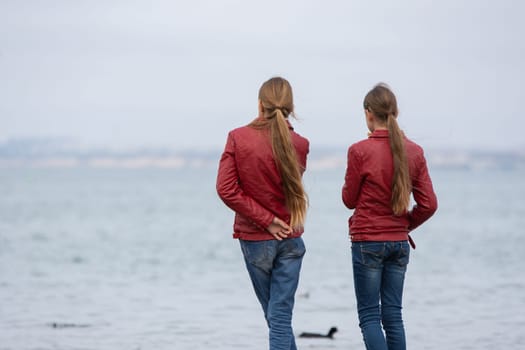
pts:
pixel 279 229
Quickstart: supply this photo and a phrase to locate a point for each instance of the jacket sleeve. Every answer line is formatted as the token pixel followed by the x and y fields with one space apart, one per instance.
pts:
pixel 423 192
pixel 232 194
pixel 303 160
pixel 352 185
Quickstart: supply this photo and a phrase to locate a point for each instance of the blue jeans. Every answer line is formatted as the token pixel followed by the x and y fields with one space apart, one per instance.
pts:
pixel 379 273
pixel 274 268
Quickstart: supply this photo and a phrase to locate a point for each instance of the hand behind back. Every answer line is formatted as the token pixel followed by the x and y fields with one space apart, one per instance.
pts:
pixel 279 229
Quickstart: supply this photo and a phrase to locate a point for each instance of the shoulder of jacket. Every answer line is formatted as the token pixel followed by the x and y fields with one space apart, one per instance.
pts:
pixel 355 151
pixel 302 139
pixel 240 132
pixel 415 151
pixel 414 147
pixel 359 145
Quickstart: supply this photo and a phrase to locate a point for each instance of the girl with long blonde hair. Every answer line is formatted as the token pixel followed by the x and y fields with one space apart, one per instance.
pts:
pixel 382 173
pixel 260 179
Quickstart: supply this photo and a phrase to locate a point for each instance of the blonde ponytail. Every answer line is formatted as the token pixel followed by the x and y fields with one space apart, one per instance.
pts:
pixel 286 159
pixel 401 186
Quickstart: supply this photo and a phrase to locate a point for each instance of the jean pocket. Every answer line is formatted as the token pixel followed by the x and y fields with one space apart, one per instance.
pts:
pixel 256 252
pixel 293 248
pixel 370 254
pixel 403 255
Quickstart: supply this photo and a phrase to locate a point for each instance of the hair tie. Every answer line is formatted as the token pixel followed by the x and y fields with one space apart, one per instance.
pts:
pixel 283 110
pixel 272 113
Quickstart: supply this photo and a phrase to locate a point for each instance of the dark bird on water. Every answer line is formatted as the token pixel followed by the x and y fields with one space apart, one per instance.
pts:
pixel 330 334
pixel 68 325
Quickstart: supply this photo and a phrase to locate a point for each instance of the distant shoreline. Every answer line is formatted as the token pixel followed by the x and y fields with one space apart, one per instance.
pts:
pixel 324 159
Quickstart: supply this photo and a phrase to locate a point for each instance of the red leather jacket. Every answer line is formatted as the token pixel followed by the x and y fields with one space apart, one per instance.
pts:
pixel 249 182
pixel 367 189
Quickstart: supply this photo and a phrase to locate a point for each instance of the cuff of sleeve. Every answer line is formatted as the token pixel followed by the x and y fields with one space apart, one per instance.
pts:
pixel 266 221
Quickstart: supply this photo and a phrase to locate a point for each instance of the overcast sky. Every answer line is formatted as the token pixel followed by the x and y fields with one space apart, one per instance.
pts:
pixel 180 74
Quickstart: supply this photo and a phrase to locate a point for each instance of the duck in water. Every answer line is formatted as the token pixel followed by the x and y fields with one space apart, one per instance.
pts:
pixel 68 325
pixel 330 334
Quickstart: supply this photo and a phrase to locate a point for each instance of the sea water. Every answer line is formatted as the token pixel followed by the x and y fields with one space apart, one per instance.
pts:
pixel 144 259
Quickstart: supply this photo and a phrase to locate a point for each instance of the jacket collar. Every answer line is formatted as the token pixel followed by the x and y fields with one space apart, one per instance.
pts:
pixel 287 122
pixel 379 134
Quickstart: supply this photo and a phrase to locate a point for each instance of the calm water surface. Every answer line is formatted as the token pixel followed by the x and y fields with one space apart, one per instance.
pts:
pixel 143 259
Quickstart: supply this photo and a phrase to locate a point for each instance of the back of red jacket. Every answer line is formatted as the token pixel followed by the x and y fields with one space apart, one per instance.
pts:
pixel 249 182
pixel 368 190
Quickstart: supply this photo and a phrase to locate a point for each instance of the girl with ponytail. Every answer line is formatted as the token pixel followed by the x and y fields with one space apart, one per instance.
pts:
pixel 382 173
pixel 260 179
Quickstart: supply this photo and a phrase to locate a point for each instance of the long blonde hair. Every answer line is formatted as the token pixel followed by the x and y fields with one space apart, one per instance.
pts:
pixel 276 98
pixel 381 101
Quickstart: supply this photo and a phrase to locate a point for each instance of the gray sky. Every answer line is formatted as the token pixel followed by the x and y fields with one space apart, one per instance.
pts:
pixel 180 74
